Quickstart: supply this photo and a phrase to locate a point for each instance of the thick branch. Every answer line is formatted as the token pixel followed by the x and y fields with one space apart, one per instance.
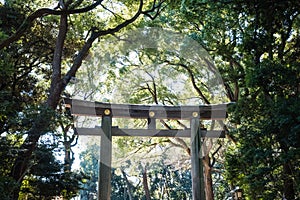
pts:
pixel 27 23
pixel 100 33
pixel 96 34
pixel 57 57
pixel 230 94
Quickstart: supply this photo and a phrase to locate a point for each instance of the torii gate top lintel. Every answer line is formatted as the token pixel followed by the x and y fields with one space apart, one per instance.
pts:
pixel 89 108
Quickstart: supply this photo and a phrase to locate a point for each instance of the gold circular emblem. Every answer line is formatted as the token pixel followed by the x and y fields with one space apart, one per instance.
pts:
pixel 107 112
pixel 195 114
pixel 151 114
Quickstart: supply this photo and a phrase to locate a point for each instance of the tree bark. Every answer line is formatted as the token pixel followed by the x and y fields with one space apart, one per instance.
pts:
pixel 128 185
pixel 44 119
pixel 289 191
pixel 209 194
pixel 145 185
pixel 69 154
pixel 287 174
pixel 67 160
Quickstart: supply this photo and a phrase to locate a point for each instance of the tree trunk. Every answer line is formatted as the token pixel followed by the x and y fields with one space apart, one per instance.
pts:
pixel 43 121
pixel 67 161
pixel 289 191
pixel 69 155
pixel 20 166
pixel 128 185
pixel 208 183
pixel 145 184
pixel 288 182
pixel 287 174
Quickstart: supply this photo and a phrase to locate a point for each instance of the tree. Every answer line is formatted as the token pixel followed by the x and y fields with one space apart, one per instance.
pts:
pixel 61 18
pixel 255 47
pixel 89 166
pixel 20 92
pixel 45 180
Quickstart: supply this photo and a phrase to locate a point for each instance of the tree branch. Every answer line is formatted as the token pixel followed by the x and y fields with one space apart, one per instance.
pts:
pixel 154 7
pixel 57 57
pixel 94 35
pixel 128 184
pixel 39 13
pixel 114 14
pixel 213 155
pixel 192 77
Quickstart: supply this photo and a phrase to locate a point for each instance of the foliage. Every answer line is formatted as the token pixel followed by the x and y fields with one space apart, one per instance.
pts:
pixel 46 179
pixel 43 44
pixel 89 160
pixel 166 182
pixel 270 135
pixel 169 183
pixel 24 75
pixel 255 46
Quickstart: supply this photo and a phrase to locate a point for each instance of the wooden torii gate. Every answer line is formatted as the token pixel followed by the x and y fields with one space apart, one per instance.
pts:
pixel 150 112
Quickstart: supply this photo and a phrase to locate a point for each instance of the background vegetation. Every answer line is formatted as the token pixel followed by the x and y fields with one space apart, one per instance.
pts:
pixel 254 45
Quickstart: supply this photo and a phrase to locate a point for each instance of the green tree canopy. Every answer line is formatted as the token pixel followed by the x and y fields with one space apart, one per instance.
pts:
pixel 43 44
pixel 255 45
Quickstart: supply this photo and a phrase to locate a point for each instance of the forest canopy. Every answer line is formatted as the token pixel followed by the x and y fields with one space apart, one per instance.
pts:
pixel 51 50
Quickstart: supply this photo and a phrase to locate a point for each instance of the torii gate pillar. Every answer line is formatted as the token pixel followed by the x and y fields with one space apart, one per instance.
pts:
pixel 198 190
pixel 104 186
